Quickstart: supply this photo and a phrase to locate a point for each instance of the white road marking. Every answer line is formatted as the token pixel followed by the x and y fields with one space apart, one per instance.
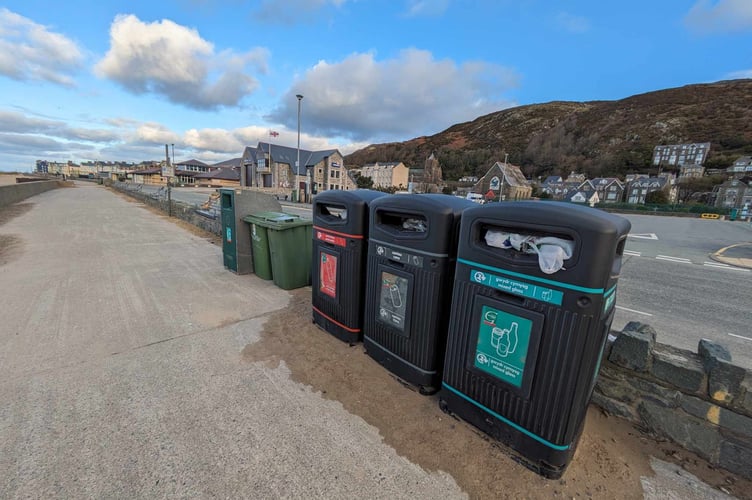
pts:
pixel 680 260
pixel 633 254
pixel 724 266
pixel 634 311
pixel 740 337
pixel 644 236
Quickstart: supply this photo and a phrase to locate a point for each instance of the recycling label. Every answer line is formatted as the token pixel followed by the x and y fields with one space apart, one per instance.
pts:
pixel 503 341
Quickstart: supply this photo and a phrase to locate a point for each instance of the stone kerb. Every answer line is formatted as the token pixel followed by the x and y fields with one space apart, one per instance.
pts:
pixel 701 401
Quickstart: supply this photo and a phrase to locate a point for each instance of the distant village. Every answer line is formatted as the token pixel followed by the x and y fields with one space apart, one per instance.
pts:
pixel 299 173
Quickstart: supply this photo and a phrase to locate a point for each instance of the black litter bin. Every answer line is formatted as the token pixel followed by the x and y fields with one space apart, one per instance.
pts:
pixel 412 246
pixel 340 232
pixel 524 345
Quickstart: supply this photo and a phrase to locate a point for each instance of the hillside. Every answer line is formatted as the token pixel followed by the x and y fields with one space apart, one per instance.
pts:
pixel 600 138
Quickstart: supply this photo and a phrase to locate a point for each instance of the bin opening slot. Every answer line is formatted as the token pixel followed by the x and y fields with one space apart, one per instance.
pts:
pixel 550 249
pixel 332 213
pixel 616 266
pixel 402 223
pixel 226 200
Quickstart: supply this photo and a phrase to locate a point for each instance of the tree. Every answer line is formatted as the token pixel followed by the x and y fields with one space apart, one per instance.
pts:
pixel 364 182
pixel 656 198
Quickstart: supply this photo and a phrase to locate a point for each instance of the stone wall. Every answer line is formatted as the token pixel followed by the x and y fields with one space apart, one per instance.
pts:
pixel 17 192
pixel 701 401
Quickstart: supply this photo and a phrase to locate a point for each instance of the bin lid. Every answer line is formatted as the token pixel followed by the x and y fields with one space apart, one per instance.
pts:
pixel 276 220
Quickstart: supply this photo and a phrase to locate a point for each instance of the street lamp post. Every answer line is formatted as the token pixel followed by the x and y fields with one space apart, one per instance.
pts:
pixel 297 163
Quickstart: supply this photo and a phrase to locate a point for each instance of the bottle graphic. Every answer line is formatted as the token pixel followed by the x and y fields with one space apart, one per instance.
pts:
pixel 504 340
pixel 395 295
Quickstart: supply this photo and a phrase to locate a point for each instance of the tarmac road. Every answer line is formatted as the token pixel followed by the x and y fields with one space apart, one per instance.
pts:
pixel 121 372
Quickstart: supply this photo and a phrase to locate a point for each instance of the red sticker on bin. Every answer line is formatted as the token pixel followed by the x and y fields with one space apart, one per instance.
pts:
pixel 330 238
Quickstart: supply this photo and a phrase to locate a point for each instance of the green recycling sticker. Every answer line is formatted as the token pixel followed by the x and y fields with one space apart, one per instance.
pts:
pixel 503 341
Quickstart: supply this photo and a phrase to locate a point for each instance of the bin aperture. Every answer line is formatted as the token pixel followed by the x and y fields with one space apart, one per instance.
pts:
pixel 411 256
pixel 524 345
pixel 340 235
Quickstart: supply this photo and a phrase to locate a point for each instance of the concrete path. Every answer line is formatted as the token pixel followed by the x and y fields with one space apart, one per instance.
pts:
pixel 121 373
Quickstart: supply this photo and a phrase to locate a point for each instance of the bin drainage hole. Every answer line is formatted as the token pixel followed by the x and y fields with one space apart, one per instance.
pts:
pixel 583 301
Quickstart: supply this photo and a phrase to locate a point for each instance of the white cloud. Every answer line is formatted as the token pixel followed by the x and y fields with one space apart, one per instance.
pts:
pixel 174 61
pixel 746 73
pixel 154 133
pixel 411 95
pixel 214 139
pixel 419 8
pixel 572 23
pixel 291 11
pixel 720 16
pixel 30 51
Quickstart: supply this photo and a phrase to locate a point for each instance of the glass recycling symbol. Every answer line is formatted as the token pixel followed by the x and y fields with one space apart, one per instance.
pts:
pixel 503 340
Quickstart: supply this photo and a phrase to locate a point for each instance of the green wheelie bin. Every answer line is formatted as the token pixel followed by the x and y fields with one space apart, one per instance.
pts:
pixel 282 246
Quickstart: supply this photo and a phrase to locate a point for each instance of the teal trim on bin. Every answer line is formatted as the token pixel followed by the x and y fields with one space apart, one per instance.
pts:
pixel 608 292
pixel 507 421
pixel 534 278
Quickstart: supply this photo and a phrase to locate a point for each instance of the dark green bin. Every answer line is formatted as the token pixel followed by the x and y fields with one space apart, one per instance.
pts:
pixel 286 254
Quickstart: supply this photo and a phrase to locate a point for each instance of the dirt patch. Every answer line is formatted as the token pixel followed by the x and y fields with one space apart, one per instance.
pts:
pixel 610 458
pixel 11 246
pixel 12 211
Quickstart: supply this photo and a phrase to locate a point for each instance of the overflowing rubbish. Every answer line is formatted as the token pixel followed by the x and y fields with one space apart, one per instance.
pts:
pixel 414 225
pixel 551 251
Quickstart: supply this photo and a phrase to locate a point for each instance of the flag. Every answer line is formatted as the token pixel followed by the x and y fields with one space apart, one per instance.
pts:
pixel 273 133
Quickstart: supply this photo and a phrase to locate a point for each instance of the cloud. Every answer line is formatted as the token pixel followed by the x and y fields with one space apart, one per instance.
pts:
pixel 735 75
pixel 174 61
pixel 153 133
pixel 218 140
pixel 420 8
pixel 30 51
pixel 572 23
pixel 413 94
pixel 11 121
pixel 719 16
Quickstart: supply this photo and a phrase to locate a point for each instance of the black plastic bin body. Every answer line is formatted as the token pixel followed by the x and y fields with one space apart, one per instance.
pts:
pixel 340 232
pixel 412 249
pixel 530 389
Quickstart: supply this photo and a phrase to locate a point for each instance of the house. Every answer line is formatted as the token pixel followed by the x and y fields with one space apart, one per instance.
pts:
pixel 582 196
pixel 690 171
pixel 555 187
pixel 151 175
pixel 387 174
pixel 504 181
pixel 274 167
pixel 609 189
pixel 741 167
pixel 733 194
pixel 676 155
pixel 638 189
pixel 219 177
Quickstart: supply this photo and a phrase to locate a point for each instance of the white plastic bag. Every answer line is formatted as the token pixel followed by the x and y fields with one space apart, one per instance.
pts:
pixel 551 251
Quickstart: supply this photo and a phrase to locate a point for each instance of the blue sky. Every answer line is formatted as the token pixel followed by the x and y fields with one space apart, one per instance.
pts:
pixel 117 80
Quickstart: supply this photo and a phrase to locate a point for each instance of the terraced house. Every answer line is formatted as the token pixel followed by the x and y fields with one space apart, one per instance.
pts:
pixel 275 168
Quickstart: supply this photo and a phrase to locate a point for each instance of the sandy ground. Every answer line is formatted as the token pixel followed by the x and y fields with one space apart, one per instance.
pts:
pixel 613 458
pixel 610 460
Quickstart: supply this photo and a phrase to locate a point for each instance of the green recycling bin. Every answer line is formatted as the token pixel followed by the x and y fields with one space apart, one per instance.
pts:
pixel 287 250
pixel 734 213
pixel 262 259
